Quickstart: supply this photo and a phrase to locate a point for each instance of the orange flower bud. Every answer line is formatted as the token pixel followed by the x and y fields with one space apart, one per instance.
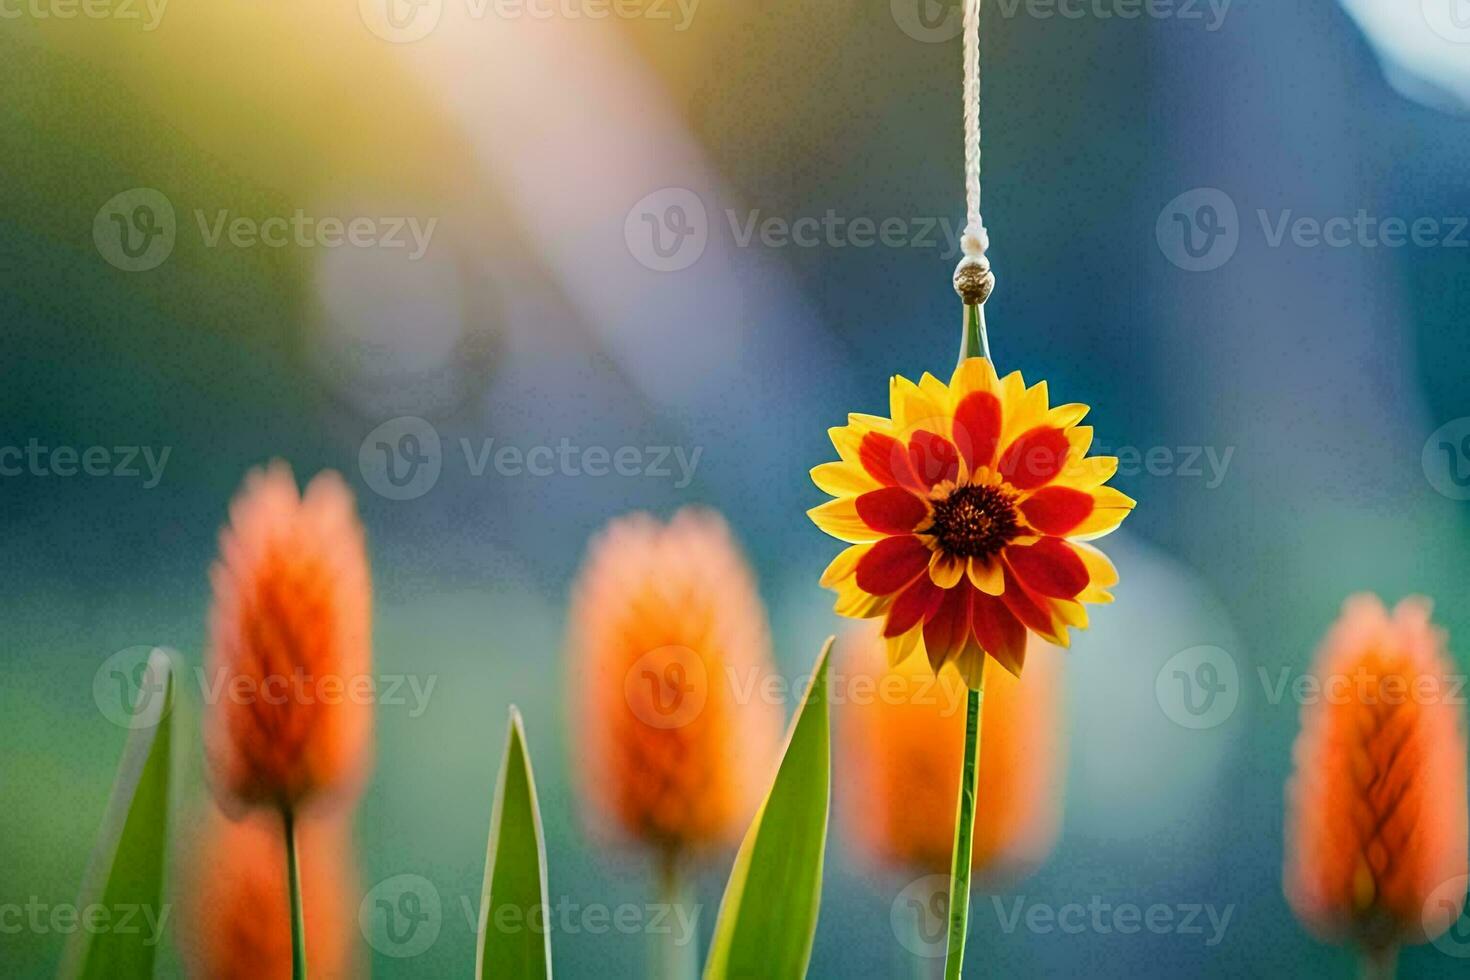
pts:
pixel 670 655
pixel 235 923
pixel 900 741
pixel 290 647
pixel 1376 817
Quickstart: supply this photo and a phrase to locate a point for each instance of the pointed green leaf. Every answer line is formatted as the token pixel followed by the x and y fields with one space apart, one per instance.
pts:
pixel 514 936
pixel 768 917
pixel 125 873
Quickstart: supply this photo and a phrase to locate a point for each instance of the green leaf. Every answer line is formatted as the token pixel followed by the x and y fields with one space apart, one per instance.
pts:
pixel 514 935
pixel 768 917
pixel 125 873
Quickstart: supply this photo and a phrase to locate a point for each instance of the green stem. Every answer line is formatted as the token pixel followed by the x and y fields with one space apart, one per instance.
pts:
pixel 677 957
pixel 1379 964
pixel 293 878
pixel 964 839
pixel 973 341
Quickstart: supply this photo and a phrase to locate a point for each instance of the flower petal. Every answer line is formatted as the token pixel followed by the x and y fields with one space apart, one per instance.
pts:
pixel 914 406
pixel 891 564
pixel 900 647
pixel 842 479
pixel 844 566
pixel 933 458
pixel 885 459
pixel 854 603
pixel 987 575
pixel 1101 573
pixel 1000 633
pixel 973 374
pixel 840 519
pixel 970 663
pixel 892 510
pixel 945 632
pixel 977 423
pixel 1036 456
pixel 1066 416
pixel 946 570
pixel 1057 510
pixel 1110 507
pixel 1087 474
pixel 1049 568
pixel 913 606
pixel 1034 612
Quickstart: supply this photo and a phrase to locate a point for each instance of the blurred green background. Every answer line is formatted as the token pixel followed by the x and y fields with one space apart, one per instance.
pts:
pixel 548 153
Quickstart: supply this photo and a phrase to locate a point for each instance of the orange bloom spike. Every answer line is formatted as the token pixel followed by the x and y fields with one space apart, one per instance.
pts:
pixel 900 744
pixel 1376 815
pixel 967 512
pixel 670 653
pixel 236 925
pixel 290 645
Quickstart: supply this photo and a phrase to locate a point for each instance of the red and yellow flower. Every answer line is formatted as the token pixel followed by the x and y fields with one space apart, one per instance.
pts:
pixel 967 513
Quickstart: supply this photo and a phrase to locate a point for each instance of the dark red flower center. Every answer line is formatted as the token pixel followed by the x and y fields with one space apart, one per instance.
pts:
pixel 975 521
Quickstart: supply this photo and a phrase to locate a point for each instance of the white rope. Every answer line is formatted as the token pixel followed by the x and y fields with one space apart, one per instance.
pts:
pixel 976 241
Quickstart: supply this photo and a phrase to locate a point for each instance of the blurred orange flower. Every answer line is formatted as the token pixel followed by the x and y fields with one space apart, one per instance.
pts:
pixel 900 741
pixel 1376 815
pixel 967 512
pixel 290 645
pixel 235 924
pixel 670 659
